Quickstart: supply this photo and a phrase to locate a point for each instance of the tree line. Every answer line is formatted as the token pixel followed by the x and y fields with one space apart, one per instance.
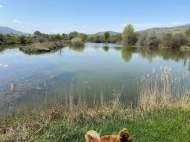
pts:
pixel 127 37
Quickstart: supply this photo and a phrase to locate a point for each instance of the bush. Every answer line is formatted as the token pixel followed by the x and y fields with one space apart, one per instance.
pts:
pixel 179 40
pixel 142 39
pixel 167 40
pixel 22 40
pixel 152 40
pixel 77 41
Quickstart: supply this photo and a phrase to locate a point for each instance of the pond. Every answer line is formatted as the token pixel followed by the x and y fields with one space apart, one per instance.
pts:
pixel 90 70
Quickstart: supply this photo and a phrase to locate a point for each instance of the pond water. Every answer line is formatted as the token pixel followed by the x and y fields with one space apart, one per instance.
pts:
pixel 90 70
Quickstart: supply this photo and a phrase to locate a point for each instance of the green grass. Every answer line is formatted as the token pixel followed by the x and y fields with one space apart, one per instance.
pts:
pixel 160 125
pixel 166 125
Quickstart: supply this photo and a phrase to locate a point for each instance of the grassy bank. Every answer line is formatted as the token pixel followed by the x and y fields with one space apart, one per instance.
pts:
pixel 57 124
pixel 160 114
pixel 42 47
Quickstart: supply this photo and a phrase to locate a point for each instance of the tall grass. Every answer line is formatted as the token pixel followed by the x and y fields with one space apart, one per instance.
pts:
pixel 161 113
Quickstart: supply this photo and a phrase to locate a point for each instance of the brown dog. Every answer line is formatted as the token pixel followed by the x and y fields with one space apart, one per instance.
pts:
pixel 123 136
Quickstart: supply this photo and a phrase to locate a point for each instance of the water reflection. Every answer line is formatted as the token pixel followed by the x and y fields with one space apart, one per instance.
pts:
pixel 106 48
pixel 101 66
pixel 78 49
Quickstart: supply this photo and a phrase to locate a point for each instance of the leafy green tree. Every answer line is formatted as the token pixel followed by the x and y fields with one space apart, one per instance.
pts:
pixel 37 33
pixel 167 40
pixel 58 37
pixel 22 40
pixel 106 35
pixel 95 38
pixel 115 38
pixel 82 36
pixel 64 36
pixel 187 32
pixel 128 35
pixel 73 34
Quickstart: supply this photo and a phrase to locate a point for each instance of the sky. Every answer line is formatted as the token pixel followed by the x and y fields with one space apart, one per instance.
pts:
pixel 92 16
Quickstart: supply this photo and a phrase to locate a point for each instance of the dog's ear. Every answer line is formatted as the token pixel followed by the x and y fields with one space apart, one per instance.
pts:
pixel 123 132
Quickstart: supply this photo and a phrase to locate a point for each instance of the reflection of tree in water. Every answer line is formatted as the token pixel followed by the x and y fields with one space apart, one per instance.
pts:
pixel 127 52
pixel 78 49
pixel 150 54
pixel 106 48
pixel 147 53
pixel 185 62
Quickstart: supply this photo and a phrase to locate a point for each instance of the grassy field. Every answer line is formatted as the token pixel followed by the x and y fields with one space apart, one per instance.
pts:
pixel 160 114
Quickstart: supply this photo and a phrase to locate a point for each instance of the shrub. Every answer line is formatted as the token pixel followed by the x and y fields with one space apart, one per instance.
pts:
pixel 22 40
pixel 179 40
pixel 152 40
pixel 167 40
pixel 142 39
pixel 77 41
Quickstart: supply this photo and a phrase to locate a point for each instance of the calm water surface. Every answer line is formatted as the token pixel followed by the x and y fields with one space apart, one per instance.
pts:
pixel 88 70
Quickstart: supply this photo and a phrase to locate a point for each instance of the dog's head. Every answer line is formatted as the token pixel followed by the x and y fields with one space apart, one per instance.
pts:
pixel 124 136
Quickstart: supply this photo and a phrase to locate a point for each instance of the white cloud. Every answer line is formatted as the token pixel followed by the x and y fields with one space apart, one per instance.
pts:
pixel 69 28
pixel 17 21
pixel 1 6
pixel 83 26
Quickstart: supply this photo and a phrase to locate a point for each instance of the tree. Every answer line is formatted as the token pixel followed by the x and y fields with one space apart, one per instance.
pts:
pixel 64 36
pixel 37 33
pixel 22 40
pixel 152 39
pixel 82 36
pixel 73 34
pixel 115 38
pixel 142 39
pixel 128 35
pixel 167 40
pixel 187 32
pixel 179 40
pixel 106 35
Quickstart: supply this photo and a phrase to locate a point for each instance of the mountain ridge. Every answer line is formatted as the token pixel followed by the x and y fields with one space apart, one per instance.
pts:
pixel 7 30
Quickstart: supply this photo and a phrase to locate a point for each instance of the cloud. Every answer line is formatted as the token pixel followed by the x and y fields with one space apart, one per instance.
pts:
pixel 17 21
pixel 69 28
pixel 1 23
pixel 84 26
pixel 1 6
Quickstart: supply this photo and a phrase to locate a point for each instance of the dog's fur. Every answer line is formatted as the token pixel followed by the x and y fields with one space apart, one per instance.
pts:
pixel 123 136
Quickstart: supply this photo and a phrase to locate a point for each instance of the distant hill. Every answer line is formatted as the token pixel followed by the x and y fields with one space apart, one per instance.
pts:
pixel 102 33
pixel 175 29
pixel 7 30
